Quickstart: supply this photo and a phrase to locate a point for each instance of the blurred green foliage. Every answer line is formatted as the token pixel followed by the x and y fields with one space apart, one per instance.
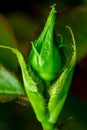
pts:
pixel 7 38
pixel 10 87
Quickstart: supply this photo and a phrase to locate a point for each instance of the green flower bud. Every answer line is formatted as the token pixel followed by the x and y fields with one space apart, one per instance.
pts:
pixel 45 57
pixel 46 60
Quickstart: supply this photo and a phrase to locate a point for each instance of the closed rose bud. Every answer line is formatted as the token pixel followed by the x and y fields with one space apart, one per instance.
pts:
pixel 45 57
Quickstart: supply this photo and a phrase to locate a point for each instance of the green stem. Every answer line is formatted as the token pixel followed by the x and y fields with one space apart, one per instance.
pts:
pixel 47 126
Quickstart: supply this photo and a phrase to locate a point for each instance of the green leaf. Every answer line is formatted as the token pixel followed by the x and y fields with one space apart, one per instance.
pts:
pixel 33 94
pixel 10 87
pixel 76 19
pixel 7 39
pixel 59 89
